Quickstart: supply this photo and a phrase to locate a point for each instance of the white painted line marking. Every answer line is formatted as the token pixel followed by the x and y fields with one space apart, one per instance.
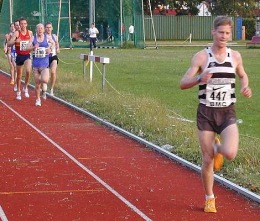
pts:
pixel 124 200
pixel 2 215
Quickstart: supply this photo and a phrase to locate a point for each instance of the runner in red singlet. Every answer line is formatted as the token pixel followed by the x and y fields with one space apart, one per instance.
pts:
pixel 21 39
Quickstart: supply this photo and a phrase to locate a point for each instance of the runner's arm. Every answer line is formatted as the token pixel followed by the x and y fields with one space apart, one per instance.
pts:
pixel 57 44
pixel 12 40
pixel 191 77
pixel 30 46
pixel 5 43
pixel 243 77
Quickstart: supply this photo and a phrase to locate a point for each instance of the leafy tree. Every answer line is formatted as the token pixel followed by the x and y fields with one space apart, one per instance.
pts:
pixel 188 7
pixel 216 7
pixel 79 8
pixel 245 9
pixel 183 7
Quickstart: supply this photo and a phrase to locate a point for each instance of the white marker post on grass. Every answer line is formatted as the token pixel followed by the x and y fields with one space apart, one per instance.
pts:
pixel 91 68
pixel 91 58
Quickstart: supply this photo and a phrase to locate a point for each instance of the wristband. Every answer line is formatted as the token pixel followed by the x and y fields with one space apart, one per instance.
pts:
pixel 198 78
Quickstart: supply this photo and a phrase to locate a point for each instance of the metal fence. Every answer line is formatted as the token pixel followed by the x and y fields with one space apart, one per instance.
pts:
pixel 180 27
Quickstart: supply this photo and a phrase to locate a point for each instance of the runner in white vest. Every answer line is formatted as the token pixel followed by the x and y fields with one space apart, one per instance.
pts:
pixel 215 69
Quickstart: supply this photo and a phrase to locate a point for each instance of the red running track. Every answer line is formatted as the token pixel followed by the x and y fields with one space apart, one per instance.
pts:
pixel 57 164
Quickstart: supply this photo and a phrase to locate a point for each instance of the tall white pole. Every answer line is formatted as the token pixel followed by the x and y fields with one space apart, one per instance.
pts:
pixel 151 14
pixel 11 10
pixel 42 11
pixel 143 22
pixel 91 12
pixel 121 23
pixel 94 11
pixel 58 29
pixel 70 25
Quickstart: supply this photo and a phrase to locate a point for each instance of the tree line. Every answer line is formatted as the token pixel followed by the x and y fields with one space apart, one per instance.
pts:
pixel 245 9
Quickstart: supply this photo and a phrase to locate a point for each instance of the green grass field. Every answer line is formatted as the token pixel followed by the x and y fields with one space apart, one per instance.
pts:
pixel 142 95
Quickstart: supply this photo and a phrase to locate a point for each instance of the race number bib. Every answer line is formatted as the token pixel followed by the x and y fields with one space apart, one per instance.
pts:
pixel 53 50
pixel 13 54
pixel 24 45
pixel 218 95
pixel 40 52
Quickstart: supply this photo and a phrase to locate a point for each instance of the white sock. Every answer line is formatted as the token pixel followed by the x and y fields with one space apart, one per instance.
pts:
pixel 210 197
pixel 44 87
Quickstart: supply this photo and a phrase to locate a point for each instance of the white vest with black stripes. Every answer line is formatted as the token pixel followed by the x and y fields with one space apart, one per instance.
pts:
pixel 220 90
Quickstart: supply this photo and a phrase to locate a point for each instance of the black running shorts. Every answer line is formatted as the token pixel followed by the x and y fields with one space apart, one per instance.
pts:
pixel 52 58
pixel 20 59
pixel 215 119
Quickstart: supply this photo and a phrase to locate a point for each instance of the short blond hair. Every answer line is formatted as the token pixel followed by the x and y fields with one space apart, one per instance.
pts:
pixel 222 20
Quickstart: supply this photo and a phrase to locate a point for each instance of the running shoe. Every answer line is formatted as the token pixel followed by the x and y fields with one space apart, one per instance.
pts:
pixel 38 102
pixel 26 92
pixel 218 158
pixel 12 82
pixel 51 92
pixel 18 96
pixel 210 206
pixel 15 87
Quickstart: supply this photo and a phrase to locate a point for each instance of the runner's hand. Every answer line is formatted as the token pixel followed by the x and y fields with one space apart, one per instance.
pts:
pixel 205 76
pixel 246 91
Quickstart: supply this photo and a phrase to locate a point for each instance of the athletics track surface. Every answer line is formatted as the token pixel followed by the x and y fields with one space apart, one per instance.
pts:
pixel 57 164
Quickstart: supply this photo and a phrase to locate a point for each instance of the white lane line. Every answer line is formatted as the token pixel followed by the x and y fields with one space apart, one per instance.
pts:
pixel 124 200
pixel 2 215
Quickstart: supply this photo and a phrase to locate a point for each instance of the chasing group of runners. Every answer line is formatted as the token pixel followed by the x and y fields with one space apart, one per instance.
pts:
pixel 35 53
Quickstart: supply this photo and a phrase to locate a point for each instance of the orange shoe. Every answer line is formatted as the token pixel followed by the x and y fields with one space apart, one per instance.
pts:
pixel 210 206
pixel 218 158
pixel 12 82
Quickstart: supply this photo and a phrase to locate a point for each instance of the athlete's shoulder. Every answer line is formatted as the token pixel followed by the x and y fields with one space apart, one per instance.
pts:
pixel 235 54
pixel 202 54
pixel 54 36
pixel 16 34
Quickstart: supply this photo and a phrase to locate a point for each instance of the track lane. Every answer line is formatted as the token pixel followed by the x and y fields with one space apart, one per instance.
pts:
pixel 32 167
pixel 161 188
